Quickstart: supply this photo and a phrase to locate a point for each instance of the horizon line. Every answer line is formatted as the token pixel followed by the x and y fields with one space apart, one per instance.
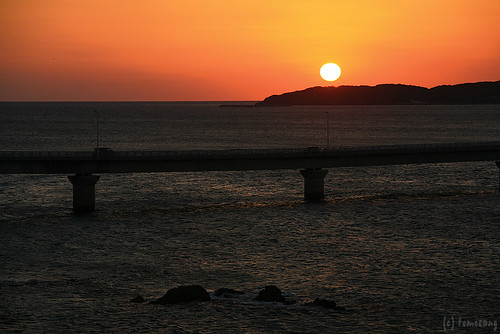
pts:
pixel 239 101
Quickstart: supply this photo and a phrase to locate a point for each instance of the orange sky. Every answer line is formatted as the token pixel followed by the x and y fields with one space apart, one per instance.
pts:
pixel 238 49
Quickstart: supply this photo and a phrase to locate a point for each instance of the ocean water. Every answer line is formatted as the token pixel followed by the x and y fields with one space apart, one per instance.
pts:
pixel 411 248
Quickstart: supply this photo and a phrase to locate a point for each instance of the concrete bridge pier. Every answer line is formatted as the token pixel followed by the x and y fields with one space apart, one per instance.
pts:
pixel 83 191
pixel 314 183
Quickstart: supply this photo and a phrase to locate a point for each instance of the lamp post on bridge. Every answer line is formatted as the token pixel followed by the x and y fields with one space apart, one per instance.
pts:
pixel 97 129
pixel 327 129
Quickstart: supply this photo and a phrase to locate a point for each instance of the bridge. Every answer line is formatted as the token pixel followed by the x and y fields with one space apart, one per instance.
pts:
pixel 312 162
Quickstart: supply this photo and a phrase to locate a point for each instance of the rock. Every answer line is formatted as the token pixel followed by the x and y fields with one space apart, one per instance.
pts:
pixel 325 303
pixel 270 294
pixel 227 293
pixel 184 294
pixel 138 299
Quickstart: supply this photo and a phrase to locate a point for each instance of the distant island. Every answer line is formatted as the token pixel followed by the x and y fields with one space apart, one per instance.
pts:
pixel 467 93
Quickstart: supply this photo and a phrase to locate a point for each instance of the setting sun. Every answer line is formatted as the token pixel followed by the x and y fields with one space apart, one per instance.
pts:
pixel 330 71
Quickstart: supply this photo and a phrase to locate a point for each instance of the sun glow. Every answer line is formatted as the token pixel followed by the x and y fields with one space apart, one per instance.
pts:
pixel 330 71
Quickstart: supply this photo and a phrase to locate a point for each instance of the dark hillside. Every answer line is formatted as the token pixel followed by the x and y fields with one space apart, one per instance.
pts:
pixel 470 93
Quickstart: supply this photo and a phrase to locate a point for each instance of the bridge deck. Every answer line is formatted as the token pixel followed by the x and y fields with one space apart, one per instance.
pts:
pixel 87 162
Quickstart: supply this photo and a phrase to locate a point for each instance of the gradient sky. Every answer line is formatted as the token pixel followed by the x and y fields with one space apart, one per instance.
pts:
pixel 172 50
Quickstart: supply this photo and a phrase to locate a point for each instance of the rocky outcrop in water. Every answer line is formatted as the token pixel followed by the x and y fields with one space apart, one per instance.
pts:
pixel 272 293
pixel 325 303
pixel 193 293
pixel 184 294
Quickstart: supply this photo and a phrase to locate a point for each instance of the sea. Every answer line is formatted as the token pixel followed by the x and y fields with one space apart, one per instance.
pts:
pixel 404 249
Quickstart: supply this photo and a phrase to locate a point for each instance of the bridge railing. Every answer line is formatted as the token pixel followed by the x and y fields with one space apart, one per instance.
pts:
pixel 6 155
pixel 45 154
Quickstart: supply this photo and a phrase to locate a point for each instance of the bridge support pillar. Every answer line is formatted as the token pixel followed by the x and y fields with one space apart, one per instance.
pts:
pixel 314 183
pixel 83 191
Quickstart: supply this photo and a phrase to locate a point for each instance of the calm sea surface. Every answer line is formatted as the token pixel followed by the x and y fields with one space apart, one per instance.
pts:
pixel 412 248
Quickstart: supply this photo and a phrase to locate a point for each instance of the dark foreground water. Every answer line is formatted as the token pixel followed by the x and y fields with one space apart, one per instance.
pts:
pixel 403 248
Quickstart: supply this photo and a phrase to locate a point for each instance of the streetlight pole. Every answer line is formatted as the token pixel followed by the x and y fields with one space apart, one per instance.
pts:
pixel 97 129
pixel 327 129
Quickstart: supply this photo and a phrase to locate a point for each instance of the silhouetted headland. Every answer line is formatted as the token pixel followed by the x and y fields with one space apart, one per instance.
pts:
pixel 467 93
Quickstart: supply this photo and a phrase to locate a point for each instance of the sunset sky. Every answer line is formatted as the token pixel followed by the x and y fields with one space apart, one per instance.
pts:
pixel 173 50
